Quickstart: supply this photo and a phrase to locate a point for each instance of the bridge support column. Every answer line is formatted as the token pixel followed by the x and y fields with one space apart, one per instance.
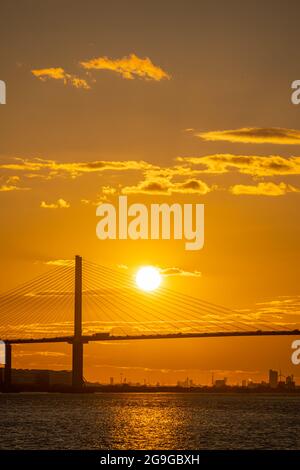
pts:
pixel 77 365
pixel 7 366
pixel 77 346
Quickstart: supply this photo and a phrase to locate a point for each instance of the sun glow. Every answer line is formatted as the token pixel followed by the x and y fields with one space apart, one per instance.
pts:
pixel 148 278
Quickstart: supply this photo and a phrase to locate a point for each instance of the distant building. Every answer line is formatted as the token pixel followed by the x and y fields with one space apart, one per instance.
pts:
pixel 273 378
pixel 253 385
pixel 244 383
pixel 289 382
pixel 111 380
pixel 40 376
pixel 187 383
pixel 219 383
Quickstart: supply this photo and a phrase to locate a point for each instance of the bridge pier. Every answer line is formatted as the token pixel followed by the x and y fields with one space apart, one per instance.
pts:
pixel 77 364
pixel 7 366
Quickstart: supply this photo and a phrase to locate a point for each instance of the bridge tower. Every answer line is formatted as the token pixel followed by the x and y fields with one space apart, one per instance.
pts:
pixel 77 345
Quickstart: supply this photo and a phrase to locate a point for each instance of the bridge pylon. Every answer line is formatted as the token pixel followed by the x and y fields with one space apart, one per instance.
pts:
pixel 77 344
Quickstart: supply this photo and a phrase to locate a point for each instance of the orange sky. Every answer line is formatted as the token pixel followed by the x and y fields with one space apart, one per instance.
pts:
pixel 181 102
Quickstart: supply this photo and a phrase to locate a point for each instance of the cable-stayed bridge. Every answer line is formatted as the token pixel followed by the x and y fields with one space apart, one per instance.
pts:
pixel 83 301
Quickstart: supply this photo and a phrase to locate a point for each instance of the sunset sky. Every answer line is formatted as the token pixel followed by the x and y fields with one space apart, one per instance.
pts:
pixel 174 101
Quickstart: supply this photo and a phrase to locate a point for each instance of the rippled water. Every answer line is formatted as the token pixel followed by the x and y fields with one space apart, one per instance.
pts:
pixel 149 421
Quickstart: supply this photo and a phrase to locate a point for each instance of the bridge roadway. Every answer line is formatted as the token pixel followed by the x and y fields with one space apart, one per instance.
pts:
pixel 109 337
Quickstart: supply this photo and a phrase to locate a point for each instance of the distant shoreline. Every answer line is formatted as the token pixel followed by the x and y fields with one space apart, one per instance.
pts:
pixel 32 388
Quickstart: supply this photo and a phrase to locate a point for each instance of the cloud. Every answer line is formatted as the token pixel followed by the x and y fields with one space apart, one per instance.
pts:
pixel 264 189
pixel 147 187
pixel 171 271
pixel 39 353
pixel 60 262
pixel 98 200
pixel 108 190
pixel 166 187
pixel 254 135
pixel 192 186
pixel 181 178
pixel 13 179
pixel 11 184
pixel 284 310
pixel 129 67
pixel 52 168
pixel 58 73
pixel 59 204
pixel 254 165
pixel 175 271
pixel 122 266
pixel 12 187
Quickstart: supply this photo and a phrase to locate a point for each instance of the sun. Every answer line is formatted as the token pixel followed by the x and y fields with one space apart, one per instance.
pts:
pixel 148 278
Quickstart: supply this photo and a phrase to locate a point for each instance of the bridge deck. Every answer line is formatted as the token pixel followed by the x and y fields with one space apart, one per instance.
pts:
pixel 108 337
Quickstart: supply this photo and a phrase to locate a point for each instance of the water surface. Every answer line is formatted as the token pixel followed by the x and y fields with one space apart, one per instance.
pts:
pixel 149 421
